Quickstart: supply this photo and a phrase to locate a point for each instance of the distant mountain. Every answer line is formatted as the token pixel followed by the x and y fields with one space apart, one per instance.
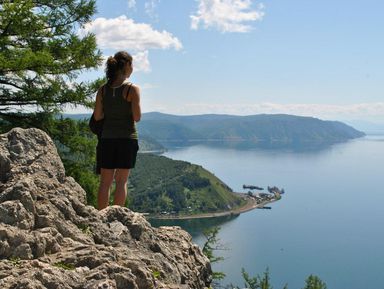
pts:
pixel 254 130
pixel 262 130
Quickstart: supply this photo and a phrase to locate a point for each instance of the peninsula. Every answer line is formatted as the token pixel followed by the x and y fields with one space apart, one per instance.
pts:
pixel 163 188
pixel 252 202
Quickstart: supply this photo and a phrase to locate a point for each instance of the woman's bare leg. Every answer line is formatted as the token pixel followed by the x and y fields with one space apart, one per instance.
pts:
pixel 106 179
pixel 121 178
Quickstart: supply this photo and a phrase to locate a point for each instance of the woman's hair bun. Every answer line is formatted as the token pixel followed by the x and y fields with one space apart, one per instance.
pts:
pixel 111 60
pixel 115 63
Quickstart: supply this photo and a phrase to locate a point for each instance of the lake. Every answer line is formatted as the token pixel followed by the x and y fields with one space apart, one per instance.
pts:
pixel 328 223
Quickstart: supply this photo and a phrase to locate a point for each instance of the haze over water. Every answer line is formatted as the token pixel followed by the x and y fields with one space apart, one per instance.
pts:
pixel 329 222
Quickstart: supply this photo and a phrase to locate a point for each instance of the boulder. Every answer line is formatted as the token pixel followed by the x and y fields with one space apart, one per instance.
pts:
pixel 50 237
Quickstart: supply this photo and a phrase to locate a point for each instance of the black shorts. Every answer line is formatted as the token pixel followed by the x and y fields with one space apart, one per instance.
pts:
pixel 118 153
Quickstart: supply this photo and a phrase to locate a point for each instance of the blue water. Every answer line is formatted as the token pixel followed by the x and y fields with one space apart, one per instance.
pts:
pixel 329 222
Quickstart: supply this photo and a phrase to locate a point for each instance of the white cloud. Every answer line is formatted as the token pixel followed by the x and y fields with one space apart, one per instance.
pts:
pixel 147 86
pixel 141 61
pixel 131 3
pixel 227 15
pixel 123 33
pixel 150 8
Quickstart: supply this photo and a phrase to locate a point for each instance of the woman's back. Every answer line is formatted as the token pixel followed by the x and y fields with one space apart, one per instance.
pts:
pixel 118 118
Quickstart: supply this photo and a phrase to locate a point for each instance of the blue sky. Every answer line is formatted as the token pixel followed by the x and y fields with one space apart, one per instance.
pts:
pixel 315 58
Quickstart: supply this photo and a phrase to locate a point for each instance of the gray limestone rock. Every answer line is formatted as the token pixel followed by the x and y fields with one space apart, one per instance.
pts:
pixel 50 238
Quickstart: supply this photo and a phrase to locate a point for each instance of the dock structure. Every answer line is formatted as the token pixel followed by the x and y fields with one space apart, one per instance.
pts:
pixel 265 208
pixel 275 190
pixel 252 187
pixel 273 194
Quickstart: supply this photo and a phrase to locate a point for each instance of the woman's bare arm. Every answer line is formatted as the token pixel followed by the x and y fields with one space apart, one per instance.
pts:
pixel 98 111
pixel 135 99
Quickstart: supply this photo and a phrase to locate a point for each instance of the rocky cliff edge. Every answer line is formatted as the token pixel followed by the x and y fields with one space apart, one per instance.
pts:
pixel 50 238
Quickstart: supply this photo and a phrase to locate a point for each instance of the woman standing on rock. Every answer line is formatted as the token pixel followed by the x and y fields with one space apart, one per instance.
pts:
pixel 118 104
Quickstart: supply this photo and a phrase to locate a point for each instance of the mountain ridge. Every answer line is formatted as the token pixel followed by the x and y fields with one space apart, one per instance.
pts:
pixel 258 130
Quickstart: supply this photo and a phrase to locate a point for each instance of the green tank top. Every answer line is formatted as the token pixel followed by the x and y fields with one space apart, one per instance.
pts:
pixel 118 117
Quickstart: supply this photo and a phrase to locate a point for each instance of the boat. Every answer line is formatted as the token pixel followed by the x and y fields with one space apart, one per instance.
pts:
pixel 252 187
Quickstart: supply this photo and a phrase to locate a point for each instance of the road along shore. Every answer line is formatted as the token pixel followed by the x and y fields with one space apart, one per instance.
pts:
pixel 250 205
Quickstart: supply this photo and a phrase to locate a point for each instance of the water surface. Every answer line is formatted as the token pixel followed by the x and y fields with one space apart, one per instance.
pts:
pixel 329 222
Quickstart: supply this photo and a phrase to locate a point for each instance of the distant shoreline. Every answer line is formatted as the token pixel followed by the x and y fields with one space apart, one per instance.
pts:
pixel 152 151
pixel 250 205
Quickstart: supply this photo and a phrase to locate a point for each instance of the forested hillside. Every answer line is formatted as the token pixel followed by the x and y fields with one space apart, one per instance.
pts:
pixel 159 184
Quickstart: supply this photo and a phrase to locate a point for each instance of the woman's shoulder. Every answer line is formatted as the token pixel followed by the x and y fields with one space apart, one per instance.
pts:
pixel 135 87
pixel 131 91
pixel 130 84
pixel 102 88
pixel 132 88
pixel 135 91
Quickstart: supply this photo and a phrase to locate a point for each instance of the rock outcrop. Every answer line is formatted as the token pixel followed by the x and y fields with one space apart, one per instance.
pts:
pixel 50 238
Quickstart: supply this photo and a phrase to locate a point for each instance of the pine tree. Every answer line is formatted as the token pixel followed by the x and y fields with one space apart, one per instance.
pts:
pixel 211 245
pixel 314 282
pixel 41 55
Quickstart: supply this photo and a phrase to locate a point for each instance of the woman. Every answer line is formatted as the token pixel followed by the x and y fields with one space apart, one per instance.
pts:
pixel 118 104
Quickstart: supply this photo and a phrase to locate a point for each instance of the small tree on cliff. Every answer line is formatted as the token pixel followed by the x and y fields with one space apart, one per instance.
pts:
pixel 212 245
pixel 41 55
pixel 314 282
